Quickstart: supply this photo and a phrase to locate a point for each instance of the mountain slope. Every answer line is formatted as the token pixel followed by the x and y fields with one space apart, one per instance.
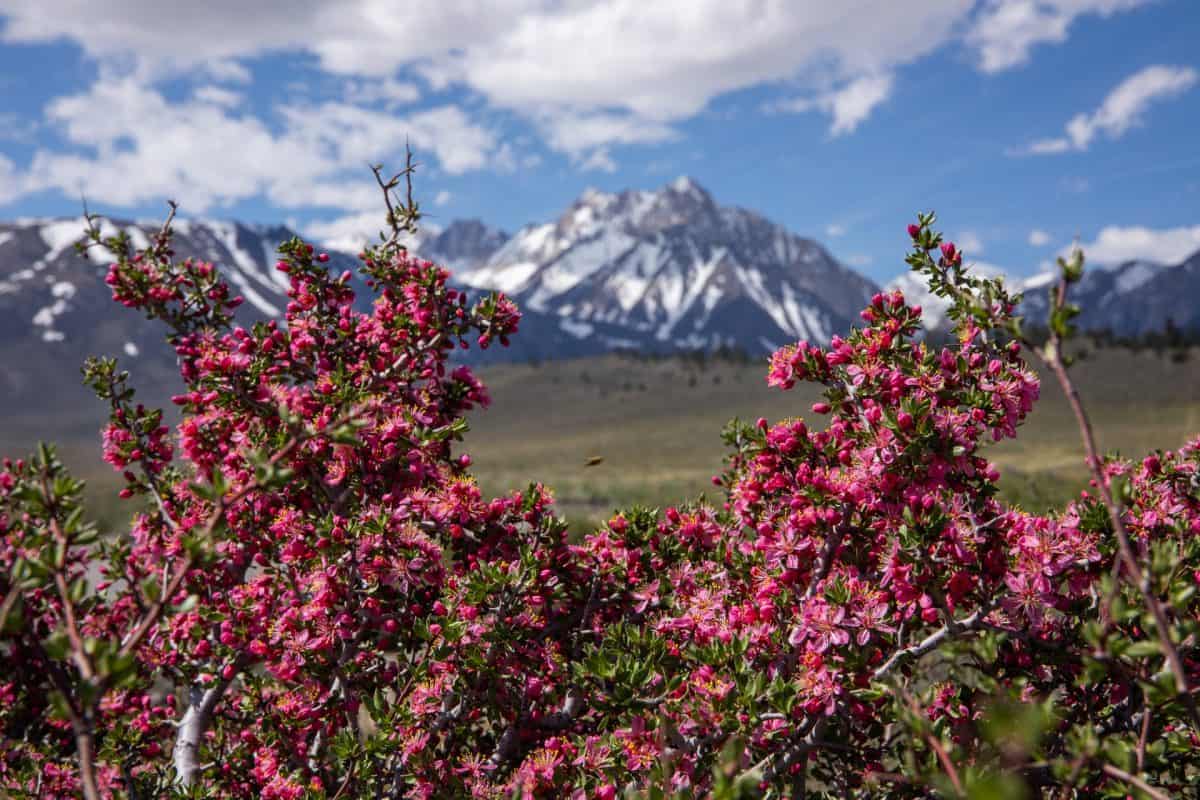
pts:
pixel 670 269
pixel 654 271
pixel 1131 299
pixel 55 309
pixel 464 243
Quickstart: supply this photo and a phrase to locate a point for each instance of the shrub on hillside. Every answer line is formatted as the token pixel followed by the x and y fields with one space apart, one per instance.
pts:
pixel 315 600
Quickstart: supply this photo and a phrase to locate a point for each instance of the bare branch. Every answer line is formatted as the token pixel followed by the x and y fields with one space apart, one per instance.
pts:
pixel 186 755
pixel 1052 356
pixel 1134 780
pixel 931 642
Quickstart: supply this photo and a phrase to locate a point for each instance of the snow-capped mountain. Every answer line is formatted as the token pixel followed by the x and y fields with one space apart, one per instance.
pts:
pixel 55 309
pixel 1130 299
pixel 650 270
pixel 466 244
pixel 671 269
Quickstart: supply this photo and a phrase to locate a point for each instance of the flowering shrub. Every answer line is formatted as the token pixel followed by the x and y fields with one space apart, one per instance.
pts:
pixel 317 601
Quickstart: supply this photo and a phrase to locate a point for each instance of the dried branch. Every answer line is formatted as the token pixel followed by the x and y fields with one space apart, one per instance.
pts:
pixel 1052 356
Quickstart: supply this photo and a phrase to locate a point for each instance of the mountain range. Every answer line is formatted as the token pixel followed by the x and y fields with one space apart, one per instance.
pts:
pixel 1128 300
pixel 654 271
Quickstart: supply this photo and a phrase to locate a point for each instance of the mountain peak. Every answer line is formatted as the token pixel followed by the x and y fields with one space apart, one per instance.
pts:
pixel 463 244
pixel 669 268
pixel 594 198
pixel 686 184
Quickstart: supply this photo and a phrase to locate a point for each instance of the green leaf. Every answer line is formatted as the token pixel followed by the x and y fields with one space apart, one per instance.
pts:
pixel 1142 649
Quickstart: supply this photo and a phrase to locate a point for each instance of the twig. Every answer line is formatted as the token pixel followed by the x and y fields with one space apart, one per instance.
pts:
pixel 86 755
pixel 951 629
pixel 825 563
pixel 1051 355
pixel 1141 748
pixel 164 233
pixel 935 745
pixel 1134 780
pixel 402 219
pixel 78 653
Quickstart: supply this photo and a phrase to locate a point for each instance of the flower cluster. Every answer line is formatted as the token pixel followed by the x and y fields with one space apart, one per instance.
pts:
pixel 317 600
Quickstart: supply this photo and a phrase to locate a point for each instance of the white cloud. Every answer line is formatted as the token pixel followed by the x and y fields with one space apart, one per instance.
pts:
pixel 226 71
pixel 599 160
pixel 835 229
pixel 1125 105
pixel 1122 109
pixel 665 60
pixel 589 75
pixel 1116 244
pixel 859 260
pixel 853 103
pixel 1005 31
pixel 654 63
pixel 986 269
pixel 391 92
pixel 218 96
pixel 1046 147
pixel 351 232
pixel 347 233
pixel 849 105
pixel 1038 238
pixel 9 189
pixel 442 198
pixel 586 136
pixel 130 145
pixel 969 242
pixel 17 128
pixel 359 135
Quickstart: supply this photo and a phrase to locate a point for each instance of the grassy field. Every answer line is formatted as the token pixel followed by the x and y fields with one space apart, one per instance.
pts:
pixel 657 423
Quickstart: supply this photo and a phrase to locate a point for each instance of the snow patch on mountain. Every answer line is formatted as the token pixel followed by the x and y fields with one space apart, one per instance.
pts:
pixel 1136 274
pixel 670 268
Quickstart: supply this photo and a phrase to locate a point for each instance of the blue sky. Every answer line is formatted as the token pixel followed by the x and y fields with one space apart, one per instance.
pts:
pixel 1024 123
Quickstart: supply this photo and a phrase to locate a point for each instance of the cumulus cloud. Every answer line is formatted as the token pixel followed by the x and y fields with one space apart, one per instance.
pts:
pixel 620 70
pixel 599 160
pixel 218 96
pixel 391 92
pixel 588 75
pixel 1116 244
pixel 348 233
pixel 661 60
pixel 130 145
pixel 848 106
pixel 1004 32
pixel 1123 108
pixel 1038 238
pixel 587 137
